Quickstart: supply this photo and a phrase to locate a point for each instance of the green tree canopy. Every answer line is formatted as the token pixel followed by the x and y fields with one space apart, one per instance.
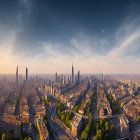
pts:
pixel 138 119
pixel 102 122
pixel 97 126
pixel 106 124
pixel 29 138
pixel 3 137
pixel 112 128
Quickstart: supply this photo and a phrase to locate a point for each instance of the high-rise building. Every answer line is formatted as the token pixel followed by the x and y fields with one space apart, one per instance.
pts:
pixel 61 80
pixel 26 74
pixel 64 80
pixel 78 76
pixel 72 74
pixel 52 87
pixel 56 77
pixel 17 75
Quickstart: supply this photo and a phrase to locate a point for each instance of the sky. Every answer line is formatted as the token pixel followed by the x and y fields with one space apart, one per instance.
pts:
pixel 48 36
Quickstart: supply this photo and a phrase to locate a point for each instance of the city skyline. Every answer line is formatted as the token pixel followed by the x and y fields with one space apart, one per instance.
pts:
pixel 47 36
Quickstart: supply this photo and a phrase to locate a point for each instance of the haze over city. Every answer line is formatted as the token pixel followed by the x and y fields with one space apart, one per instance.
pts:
pixel 49 35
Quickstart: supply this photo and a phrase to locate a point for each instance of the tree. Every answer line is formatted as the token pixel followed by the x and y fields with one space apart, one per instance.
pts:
pixel 3 136
pixel 94 98
pixel 62 113
pixel 63 118
pixel 112 131
pixel 113 101
pixel 85 136
pixel 106 137
pixel 43 99
pixel 102 121
pixel 76 108
pixel 107 129
pixel 90 121
pixel 120 104
pixel 47 102
pixel 70 115
pixel 90 115
pixel 69 123
pixel 67 119
pixel 112 128
pixel 97 126
pixel 100 135
pixel 59 112
pixel 88 111
pixel 96 137
pixel 106 124
pixel 90 102
pixel 138 120
pixel 45 122
pixel 10 137
pixel 87 130
pixel 60 106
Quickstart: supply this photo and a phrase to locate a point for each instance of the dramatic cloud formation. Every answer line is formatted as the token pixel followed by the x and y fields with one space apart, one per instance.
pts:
pixel 47 38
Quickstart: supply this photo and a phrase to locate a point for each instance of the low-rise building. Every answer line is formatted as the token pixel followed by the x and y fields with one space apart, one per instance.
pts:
pixel 42 129
pixel 124 126
pixel 25 114
pixel 10 124
pixel 39 110
pixel 76 125
pixel 82 108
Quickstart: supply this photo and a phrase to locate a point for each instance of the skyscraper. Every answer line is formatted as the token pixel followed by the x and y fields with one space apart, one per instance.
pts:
pixel 78 76
pixel 26 74
pixel 17 75
pixel 72 74
pixel 56 77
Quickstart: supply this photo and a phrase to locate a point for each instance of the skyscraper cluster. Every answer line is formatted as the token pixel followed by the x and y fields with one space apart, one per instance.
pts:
pixel 75 78
pixel 65 80
pixel 18 76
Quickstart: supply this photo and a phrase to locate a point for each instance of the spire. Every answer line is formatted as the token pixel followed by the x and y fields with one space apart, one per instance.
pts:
pixel 17 75
pixel 26 74
pixel 72 73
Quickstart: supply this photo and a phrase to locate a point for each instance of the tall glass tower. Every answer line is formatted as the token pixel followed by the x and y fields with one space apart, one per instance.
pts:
pixel 26 74
pixel 72 74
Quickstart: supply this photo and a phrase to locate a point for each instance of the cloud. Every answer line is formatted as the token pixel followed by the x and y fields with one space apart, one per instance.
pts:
pixel 98 54
pixel 26 7
pixel 127 46
pixel 118 52
pixel 131 45
pixel 7 39
pixel 27 4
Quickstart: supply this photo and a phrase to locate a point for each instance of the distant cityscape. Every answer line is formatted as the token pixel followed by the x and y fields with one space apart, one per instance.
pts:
pixel 69 106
